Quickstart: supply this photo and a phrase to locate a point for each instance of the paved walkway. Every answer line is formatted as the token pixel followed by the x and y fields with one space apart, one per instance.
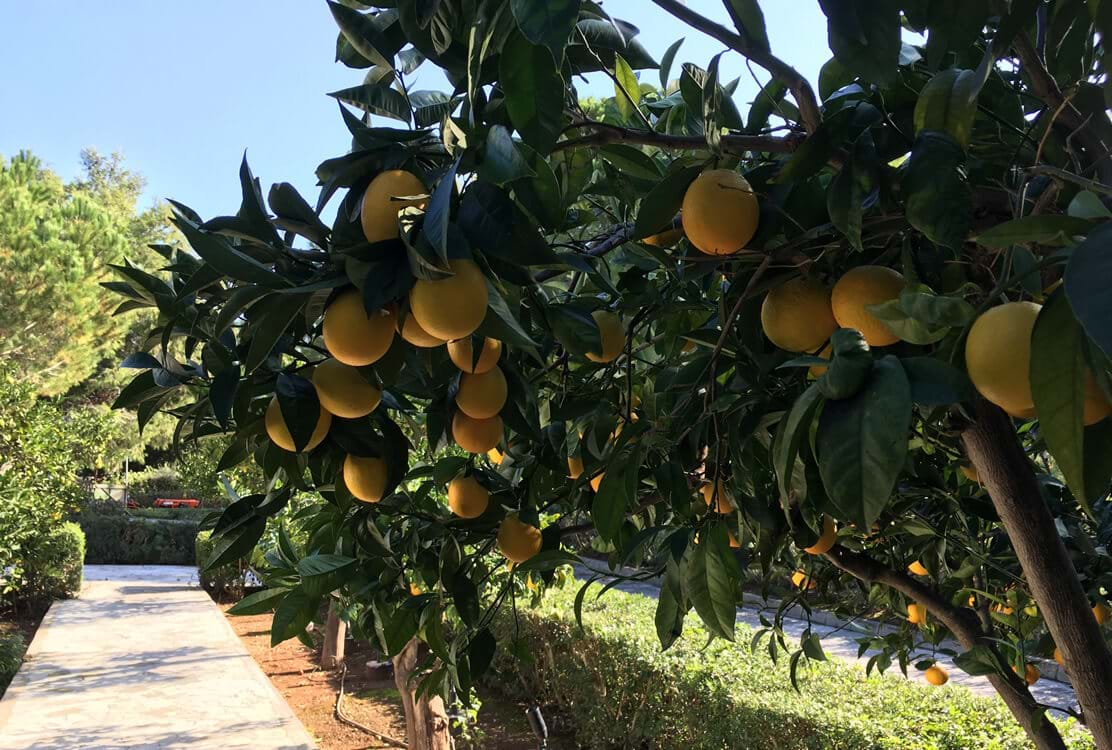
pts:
pixel 143 659
pixel 840 641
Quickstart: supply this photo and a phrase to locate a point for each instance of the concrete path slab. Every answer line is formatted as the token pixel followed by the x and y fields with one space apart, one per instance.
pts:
pixel 839 640
pixel 143 659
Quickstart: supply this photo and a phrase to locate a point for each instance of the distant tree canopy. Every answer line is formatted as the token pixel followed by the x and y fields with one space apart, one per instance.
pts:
pixel 57 242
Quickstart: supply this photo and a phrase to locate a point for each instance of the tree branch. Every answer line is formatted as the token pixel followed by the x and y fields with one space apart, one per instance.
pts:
pixel 734 143
pixel 618 234
pixel 965 626
pixel 801 90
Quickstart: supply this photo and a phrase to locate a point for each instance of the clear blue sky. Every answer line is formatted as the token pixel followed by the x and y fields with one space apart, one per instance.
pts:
pixel 181 89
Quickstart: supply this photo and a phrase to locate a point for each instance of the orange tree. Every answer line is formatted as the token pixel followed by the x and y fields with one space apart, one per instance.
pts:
pixel 840 345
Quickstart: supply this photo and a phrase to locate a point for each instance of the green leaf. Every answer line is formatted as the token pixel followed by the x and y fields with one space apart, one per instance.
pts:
pixel 750 23
pixel 430 107
pixel 864 36
pixel 631 161
pixel 671 606
pixel 376 99
pixel 948 103
pixel 939 200
pixel 1098 459
pixel 293 615
pixel 574 328
pixel 616 494
pixel 1086 282
pixel 852 188
pixel 494 224
pixel 978 660
pixel 258 603
pixel 502 162
pixel 322 574
pixel 363 35
pixel 862 443
pixel 295 214
pixel 666 61
pixel 812 646
pixel 268 324
pixel 1087 205
pixel 711 580
pixel 791 434
pixel 849 367
pixel 660 206
pixel 1058 388
pixel 627 89
pixel 534 92
pixel 438 213
pixel 300 407
pixel 936 383
pixel 504 325
pixel 235 542
pixel 219 253
pixel 1044 229
pixel 547 23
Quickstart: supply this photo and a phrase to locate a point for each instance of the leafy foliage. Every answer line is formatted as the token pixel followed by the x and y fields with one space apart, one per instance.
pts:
pixel 915 155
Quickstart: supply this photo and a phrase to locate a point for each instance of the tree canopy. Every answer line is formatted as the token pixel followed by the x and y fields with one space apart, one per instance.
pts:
pixel 732 343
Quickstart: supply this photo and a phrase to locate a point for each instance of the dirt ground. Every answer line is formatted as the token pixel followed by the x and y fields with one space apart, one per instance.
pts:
pixel 370 697
pixel 26 621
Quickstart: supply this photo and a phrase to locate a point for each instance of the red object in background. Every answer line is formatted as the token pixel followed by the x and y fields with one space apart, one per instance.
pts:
pixel 176 502
pixel 132 504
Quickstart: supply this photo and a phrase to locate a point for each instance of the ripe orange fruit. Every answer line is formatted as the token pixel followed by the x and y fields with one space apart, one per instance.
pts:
pixel 720 212
pixel 354 337
pixel 596 481
pixel 826 540
pixel 279 433
pixel 936 675
pixel 451 308
pixel 917 614
pixel 918 569
pixel 970 473
pixel 379 212
pixel 482 396
pixel 467 498
pixel 611 336
pixel 802 581
pixel 1031 673
pixel 575 467
pixel 1101 613
pixel 495 456
pixel 343 391
pixel 1059 658
pixel 866 285
pixel 463 355
pixel 998 356
pixel 365 477
pixel 476 435
pixel 717 494
pixel 517 540
pixel 412 332
pixel 797 317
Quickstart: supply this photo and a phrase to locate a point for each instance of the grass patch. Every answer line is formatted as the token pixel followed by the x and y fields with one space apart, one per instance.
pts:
pixel 614 687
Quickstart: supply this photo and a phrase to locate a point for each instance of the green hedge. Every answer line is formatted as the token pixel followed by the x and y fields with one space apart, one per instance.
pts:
pixel 115 538
pixel 615 688
pixel 174 514
pixel 12 647
pixel 54 564
pixel 225 581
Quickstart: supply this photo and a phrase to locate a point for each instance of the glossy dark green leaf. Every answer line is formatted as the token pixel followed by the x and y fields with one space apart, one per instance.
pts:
pixel 939 201
pixel 616 494
pixel 862 443
pixel 502 162
pixel 268 327
pixel 549 23
pixel 1043 229
pixel 631 160
pixel 671 606
pixel 750 23
pixel 300 407
pixel 660 206
pixel 1086 282
pixel 666 61
pixel 627 91
pixel 322 574
pixel 865 36
pixel 1058 388
pixel 1098 460
pixel 791 434
pixel 438 213
pixel 849 367
pixel 293 615
pixel 236 542
pixel 711 580
pixel 376 99
pixel 494 224
pixel 258 603
pixel 936 383
pixel 430 107
pixel 363 35
pixel 948 104
pixel 534 92
pixel 295 214
pixel 853 190
pixel 218 252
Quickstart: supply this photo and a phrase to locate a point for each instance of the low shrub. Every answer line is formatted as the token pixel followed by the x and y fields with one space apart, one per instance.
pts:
pixel 113 537
pixel 12 647
pixel 224 581
pixel 175 514
pixel 54 563
pixel 148 484
pixel 615 688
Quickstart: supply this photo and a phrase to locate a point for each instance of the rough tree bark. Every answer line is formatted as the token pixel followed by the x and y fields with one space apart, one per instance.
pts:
pixel 966 627
pixel 426 721
pixel 1006 473
pixel 335 631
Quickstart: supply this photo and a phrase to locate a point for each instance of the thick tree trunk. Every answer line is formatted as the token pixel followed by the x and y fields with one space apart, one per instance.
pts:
pixel 1006 473
pixel 426 721
pixel 966 627
pixel 335 632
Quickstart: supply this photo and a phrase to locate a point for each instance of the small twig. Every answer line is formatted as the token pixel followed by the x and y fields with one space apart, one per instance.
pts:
pixel 734 143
